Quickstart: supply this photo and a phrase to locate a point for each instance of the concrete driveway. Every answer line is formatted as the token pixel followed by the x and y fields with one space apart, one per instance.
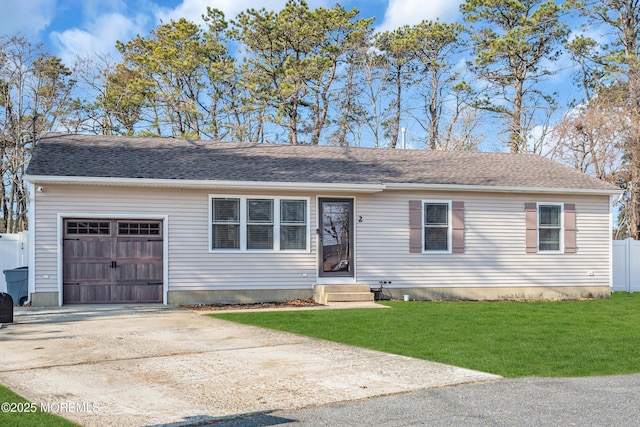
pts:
pixel 116 365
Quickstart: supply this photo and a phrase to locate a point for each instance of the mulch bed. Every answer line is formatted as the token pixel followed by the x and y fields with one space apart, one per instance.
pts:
pixel 292 303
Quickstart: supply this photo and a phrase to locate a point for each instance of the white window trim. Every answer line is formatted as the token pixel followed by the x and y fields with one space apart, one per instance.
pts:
pixel 243 223
pixel 449 226
pixel 561 237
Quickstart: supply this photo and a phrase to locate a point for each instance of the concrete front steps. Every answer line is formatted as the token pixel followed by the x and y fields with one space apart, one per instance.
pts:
pixel 323 294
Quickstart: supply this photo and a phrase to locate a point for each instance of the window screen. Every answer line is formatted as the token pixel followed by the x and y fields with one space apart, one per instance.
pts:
pixel 225 228
pixel 436 226
pixel 549 227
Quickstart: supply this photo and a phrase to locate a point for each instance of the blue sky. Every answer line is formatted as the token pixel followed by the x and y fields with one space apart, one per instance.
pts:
pixel 69 28
pixel 86 28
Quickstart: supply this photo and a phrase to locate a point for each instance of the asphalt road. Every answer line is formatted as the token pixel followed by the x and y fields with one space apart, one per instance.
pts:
pixel 590 401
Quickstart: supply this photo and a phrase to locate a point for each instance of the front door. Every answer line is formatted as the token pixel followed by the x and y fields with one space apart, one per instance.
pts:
pixel 336 237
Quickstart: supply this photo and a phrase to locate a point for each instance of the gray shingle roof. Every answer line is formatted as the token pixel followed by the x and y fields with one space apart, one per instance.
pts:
pixel 67 155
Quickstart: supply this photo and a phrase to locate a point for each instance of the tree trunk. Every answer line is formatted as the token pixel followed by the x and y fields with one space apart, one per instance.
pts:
pixel 293 124
pixel 517 139
pixel 395 128
pixel 323 107
pixel 433 112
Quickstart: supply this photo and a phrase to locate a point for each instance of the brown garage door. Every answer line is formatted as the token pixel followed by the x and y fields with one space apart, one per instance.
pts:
pixel 112 261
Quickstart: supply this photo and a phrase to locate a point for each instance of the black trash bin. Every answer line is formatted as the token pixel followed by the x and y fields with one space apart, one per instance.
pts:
pixel 17 284
pixel 6 308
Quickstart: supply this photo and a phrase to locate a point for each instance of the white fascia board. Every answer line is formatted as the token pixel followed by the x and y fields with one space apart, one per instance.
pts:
pixel 305 186
pixel 499 189
pixel 231 185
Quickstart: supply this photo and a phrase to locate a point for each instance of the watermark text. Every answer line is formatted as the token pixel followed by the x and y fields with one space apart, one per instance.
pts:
pixel 65 406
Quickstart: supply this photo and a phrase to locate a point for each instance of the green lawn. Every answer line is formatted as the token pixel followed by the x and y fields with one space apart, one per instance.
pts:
pixel 512 339
pixel 17 412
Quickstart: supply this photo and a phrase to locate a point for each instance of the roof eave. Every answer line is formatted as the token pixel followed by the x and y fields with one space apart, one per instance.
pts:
pixel 501 189
pixel 302 186
pixel 206 184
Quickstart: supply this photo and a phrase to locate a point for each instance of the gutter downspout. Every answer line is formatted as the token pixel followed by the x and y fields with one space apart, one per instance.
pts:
pixel 31 244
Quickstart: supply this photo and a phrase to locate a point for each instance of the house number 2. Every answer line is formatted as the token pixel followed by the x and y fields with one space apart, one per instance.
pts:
pixel 359 219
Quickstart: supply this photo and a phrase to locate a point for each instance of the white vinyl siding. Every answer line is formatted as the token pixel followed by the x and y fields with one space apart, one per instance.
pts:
pixel 494 240
pixel 191 263
pixel 494 244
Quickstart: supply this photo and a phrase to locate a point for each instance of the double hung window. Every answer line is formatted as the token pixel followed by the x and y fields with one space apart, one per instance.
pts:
pixel 225 228
pixel 437 226
pixel 549 227
pixel 293 224
pixel 259 223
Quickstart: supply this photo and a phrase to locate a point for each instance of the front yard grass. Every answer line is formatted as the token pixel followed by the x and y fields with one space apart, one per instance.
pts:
pixel 18 412
pixel 512 339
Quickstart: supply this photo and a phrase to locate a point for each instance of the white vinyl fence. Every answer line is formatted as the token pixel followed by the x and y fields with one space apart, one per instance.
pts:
pixel 13 253
pixel 626 265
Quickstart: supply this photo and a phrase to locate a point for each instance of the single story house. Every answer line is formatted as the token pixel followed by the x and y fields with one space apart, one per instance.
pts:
pixel 140 220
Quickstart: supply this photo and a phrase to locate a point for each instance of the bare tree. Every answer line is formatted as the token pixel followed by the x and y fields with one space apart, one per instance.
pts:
pixel 591 138
pixel 35 96
pixel 617 77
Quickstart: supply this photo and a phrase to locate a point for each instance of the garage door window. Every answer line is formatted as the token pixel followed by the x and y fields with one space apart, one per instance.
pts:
pixel 138 229
pixel 88 228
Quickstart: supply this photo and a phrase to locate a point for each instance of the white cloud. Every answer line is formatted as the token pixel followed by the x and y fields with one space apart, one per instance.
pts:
pixel 411 12
pixel 99 36
pixel 192 10
pixel 28 17
pixel 92 9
